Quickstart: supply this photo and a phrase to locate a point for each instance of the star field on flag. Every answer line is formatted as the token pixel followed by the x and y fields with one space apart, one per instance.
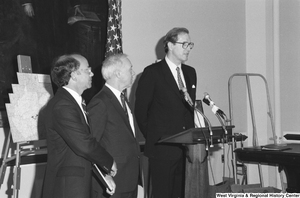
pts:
pixel 114 35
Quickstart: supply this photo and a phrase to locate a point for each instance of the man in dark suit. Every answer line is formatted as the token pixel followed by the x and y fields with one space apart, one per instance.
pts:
pixel 114 126
pixel 71 147
pixel 161 110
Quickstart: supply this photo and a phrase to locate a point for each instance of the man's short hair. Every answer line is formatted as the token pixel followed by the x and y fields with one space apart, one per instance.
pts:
pixel 62 67
pixel 112 64
pixel 172 36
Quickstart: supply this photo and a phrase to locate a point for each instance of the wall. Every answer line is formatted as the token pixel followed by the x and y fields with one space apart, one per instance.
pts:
pixel 217 28
pixel 289 64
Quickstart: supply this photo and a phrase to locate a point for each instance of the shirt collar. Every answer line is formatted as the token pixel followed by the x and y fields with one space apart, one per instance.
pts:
pixel 171 64
pixel 75 95
pixel 116 92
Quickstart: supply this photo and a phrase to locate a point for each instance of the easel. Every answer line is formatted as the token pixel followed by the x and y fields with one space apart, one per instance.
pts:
pixel 22 149
pixel 24 146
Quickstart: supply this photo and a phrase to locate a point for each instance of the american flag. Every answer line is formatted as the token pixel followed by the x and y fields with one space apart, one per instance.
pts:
pixel 114 35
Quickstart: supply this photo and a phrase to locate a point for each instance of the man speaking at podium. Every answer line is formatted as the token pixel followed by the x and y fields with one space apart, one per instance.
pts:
pixel 161 110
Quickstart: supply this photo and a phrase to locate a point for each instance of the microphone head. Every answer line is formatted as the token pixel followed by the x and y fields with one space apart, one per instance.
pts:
pixel 206 95
pixel 206 99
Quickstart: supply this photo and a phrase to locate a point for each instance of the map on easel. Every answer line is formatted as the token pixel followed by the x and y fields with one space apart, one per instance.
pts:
pixel 27 101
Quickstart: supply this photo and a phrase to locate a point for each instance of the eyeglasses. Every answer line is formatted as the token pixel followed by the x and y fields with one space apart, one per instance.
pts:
pixel 87 71
pixel 186 44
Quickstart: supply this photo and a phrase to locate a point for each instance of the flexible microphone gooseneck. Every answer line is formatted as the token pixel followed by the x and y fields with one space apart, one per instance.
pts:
pixel 217 111
pixel 188 99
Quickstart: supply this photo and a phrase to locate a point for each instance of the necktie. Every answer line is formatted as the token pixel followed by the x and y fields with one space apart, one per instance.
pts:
pixel 179 79
pixel 84 106
pixel 123 99
pixel 84 110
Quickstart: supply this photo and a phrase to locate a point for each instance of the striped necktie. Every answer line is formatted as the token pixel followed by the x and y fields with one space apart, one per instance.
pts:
pixel 179 79
pixel 83 104
pixel 123 100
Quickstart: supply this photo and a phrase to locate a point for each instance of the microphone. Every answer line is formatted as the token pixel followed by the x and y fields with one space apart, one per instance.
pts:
pixel 188 99
pixel 216 110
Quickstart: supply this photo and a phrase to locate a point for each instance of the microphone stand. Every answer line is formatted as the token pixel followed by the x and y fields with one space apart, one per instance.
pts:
pixel 223 125
pixel 224 139
pixel 219 114
pixel 209 125
pixel 199 125
pixel 188 99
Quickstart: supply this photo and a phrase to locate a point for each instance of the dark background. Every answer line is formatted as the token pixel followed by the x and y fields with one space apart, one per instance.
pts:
pixel 46 36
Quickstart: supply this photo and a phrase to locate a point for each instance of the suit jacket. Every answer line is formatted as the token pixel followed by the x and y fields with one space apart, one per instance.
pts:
pixel 110 125
pixel 161 110
pixel 71 149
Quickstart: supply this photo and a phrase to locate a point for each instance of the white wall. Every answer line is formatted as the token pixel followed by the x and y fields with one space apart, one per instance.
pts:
pixel 217 28
pixel 289 64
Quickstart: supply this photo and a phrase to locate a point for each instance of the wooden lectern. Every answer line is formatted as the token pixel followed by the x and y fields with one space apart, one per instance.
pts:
pixel 197 140
pixel 199 135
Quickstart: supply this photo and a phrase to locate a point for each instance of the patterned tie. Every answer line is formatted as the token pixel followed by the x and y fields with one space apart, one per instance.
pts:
pixel 179 79
pixel 123 99
pixel 83 104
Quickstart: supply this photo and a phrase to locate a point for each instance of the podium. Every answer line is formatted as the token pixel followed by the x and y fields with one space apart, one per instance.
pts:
pixel 196 139
pixel 200 135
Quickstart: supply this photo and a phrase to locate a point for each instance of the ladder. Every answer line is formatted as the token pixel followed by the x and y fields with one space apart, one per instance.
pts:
pixel 270 114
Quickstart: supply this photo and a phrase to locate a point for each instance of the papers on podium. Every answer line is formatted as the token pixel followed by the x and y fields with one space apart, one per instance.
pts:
pixel 275 147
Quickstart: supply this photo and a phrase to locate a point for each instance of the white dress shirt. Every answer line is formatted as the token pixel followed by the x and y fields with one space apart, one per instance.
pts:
pixel 78 99
pixel 117 93
pixel 173 67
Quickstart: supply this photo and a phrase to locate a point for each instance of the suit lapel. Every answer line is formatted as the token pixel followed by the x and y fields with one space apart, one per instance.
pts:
pixel 64 93
pixel 115 102
pixel 187 79
pixel 169 78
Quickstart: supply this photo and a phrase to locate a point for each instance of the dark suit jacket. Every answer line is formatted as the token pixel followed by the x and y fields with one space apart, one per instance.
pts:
pixel 160 108
pixel 110 126
pixel 71 149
